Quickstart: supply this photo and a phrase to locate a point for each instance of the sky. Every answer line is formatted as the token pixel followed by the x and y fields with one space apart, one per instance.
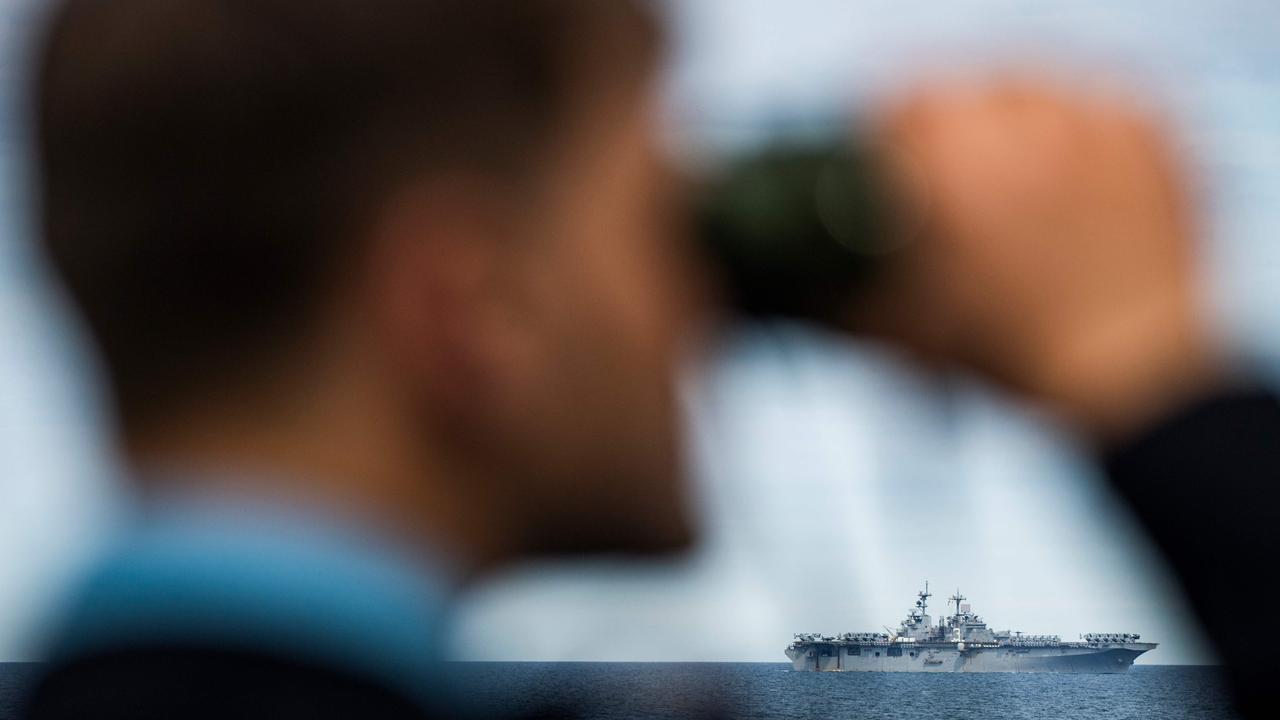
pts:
pixel 56 498
pixel 831 480
pixel 833 483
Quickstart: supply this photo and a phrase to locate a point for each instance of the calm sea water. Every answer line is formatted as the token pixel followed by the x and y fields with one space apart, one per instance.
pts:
pixel 772 690
pixel 13 679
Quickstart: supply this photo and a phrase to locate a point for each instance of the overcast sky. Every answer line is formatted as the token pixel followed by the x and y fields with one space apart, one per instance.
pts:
pixel 832 482
pixel 53 499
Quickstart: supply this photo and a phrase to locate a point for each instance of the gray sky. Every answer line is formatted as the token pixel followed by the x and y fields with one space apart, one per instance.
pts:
pixel 817 460
pixel 833 483
pixel 53 499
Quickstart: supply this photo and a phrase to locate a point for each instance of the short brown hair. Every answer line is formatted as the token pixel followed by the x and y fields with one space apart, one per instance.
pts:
pixel 205 164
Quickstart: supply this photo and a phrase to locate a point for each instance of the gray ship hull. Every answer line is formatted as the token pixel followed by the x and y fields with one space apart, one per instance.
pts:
pixel 827 657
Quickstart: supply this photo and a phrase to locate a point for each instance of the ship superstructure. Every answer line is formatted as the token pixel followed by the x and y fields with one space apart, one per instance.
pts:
pixel 962 642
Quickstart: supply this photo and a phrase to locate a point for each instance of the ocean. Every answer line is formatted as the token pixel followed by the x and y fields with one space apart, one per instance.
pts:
pixel 13 679
pixel 612 691
pixel 772 690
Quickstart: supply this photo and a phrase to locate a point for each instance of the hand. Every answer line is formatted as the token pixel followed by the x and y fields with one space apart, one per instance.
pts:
pixel 1057 255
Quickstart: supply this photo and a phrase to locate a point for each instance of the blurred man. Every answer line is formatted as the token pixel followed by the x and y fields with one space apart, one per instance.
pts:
pixel 386 295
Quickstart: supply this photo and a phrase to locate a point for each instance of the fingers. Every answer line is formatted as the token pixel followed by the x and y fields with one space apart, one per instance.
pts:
pixel 1059 252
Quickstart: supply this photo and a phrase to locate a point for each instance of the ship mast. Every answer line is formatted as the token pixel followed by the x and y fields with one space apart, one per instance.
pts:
pixel 923 602
pixel 956 599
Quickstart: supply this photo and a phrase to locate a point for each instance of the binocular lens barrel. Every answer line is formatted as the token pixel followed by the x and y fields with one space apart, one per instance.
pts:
pixel 798 230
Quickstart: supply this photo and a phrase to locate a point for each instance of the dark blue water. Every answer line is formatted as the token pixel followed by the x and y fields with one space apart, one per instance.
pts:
pixel 772 690
pixel 14 678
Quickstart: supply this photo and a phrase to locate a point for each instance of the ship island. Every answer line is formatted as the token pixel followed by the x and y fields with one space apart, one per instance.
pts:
pixel 962 642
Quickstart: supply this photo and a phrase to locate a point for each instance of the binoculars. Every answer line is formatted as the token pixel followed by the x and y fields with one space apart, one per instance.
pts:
pixel 799 229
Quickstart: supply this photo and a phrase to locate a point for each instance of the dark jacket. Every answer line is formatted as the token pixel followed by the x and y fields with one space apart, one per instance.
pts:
pixel 1206 484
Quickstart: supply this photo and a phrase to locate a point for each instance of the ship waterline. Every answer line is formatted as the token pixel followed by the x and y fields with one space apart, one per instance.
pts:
pixel 962 642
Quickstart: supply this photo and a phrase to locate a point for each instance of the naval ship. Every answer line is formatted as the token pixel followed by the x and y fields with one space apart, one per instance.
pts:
pixel 962 643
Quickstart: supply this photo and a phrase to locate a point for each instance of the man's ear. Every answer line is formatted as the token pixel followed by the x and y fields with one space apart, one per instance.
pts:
pixel 435 279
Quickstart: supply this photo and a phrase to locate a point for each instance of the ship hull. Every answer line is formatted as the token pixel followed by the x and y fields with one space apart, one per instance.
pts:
pixel 823 657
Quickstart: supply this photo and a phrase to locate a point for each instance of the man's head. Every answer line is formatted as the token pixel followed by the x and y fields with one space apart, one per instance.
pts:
pixel 446 213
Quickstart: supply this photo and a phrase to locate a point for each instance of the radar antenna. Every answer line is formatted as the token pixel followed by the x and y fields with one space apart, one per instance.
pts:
pixel 923 602
pixel 956 599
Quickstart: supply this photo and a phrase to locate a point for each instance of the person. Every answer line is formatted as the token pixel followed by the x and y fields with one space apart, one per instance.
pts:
pixel 386 295
pixel 1061 261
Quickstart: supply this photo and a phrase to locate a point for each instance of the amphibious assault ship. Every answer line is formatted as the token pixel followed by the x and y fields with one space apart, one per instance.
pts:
pixel 962 643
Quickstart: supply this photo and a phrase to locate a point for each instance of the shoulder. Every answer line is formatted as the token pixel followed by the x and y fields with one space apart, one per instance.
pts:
pixel 202 616
pixel 205 682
